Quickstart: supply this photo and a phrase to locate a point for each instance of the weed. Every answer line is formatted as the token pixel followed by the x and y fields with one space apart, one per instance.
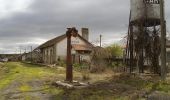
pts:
pixel 25 88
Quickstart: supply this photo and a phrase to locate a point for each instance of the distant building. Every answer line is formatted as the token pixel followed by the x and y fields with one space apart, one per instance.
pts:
pixel 34 56
pixel 9 57
pixel 55 49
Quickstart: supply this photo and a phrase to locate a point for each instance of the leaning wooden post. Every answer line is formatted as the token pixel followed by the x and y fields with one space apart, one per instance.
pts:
pixel 69 75
pixel 69 69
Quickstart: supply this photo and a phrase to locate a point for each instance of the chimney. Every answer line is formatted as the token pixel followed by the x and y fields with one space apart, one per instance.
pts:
pixel 85 33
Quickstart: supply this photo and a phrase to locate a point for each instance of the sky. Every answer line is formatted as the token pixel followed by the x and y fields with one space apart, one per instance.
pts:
pixel 26 23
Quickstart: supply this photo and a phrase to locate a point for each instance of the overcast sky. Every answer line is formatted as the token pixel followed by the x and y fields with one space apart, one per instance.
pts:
pixel 25 23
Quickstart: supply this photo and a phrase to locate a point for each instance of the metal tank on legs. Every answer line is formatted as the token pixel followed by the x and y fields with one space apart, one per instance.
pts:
pixel 143 35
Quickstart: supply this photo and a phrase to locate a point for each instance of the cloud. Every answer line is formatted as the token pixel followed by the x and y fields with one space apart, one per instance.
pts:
pixel 36 21
pixel 8 8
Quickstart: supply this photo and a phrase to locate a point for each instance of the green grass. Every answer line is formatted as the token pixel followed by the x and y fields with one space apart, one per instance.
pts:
pixel 148 85
pixel 25 88
pixel 7 80
pixel 161 86
pixel 90 95
pixel 7 77
pixel 24 73
pixel 57 93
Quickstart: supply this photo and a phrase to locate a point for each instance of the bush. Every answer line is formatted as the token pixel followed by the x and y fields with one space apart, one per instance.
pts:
pixel 85 75
pixel 98 62
pixel 62 63
pixel 115 64
pixel 77 65
pixel 84 69
pixel 100 67
pixel 115 50
pixel 161 86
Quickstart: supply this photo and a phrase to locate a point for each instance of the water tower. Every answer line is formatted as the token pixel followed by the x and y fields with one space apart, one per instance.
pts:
pixel 143 42
pixel 144 12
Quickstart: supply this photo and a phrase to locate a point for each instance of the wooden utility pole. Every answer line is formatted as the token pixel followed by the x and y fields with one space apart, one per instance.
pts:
pixel 131 47
pixel 69 75
pixel 69 69
pixel 20 50
pixel 25 50
pixel 163 41
pixel 31 54
pixel 100 40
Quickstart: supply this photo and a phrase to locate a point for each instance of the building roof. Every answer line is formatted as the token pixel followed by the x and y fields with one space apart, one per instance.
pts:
pixel 58 39
pixel 51 42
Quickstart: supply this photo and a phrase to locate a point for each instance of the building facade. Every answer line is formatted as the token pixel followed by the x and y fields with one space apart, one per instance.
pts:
pixel 56 49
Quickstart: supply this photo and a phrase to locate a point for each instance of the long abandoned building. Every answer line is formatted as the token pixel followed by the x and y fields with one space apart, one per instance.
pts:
pixel 55 49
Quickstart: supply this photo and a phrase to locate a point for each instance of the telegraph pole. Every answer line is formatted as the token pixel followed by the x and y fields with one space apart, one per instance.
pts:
pixel 20 50
pixel 163 41
pixel 31 54
pixel 25 50
pixel 100 40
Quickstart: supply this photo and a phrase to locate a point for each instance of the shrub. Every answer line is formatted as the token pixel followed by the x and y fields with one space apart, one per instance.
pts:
pixel 85 75
pixel 77 65
pixel 115 50
pixel 98 62
pixel 62 63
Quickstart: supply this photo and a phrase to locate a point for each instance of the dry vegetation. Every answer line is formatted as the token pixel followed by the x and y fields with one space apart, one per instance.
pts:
pixel 34 82
pixel 27 81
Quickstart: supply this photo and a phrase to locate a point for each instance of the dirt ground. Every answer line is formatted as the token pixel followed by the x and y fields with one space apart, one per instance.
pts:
pixel 20 81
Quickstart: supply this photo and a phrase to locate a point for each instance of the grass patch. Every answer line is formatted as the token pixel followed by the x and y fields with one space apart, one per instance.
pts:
pixel 148 85
pixel 8 76
pixel 23 72
pixel 25 88
pixel 57 93
pixel 7 80
pixel 92 94
pixel 161 86
pixel 53 90
pixel 1 64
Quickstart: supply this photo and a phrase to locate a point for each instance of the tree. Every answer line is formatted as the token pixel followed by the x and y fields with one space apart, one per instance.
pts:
pixel 115 50
pixel 98 59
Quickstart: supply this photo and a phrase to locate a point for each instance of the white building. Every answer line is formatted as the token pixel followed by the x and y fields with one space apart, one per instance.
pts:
pixel 55 49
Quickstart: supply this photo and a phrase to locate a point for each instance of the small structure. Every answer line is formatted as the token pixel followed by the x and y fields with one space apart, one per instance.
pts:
pixel 34 56
pixel 55 49
pixel 9 57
